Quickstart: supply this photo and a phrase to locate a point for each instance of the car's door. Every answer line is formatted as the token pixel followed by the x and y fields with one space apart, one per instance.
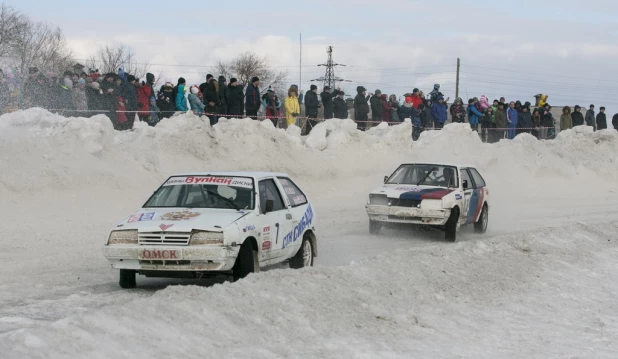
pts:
pixel 468 190
pixel 276 219
pixel 479 194
pixel 302 215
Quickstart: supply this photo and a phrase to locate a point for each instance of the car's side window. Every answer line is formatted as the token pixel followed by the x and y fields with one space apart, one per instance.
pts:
pixel 294 194
pixel 269 192
pixel 466 177
pixel 478 179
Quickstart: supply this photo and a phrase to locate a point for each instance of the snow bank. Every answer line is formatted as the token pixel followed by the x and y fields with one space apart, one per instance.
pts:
pixel 505 297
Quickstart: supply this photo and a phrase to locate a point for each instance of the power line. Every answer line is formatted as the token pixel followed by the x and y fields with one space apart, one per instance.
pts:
pixel 536 73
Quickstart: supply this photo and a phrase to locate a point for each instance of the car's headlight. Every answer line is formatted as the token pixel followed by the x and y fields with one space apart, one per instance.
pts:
pixel 378 199
pixel 123 237
pixel 431 204
pixel 202 238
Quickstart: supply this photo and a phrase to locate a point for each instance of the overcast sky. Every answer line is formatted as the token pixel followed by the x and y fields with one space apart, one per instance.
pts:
pixel 516 49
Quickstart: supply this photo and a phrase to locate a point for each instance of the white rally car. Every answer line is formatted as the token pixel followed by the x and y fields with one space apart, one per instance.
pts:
pixel 442 196
pixel 201 224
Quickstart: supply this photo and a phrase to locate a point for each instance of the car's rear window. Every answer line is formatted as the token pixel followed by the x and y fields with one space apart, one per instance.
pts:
pixel 294 194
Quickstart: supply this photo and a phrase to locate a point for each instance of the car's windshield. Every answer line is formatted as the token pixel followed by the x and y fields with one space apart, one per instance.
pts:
pixel 425 175
pixel 205 192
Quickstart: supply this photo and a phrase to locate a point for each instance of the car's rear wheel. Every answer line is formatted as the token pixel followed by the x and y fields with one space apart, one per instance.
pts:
pixel 304 256
pixel 374 227
pixel 247 261
pixel 127 278
pixel 480 226
pixel 450 230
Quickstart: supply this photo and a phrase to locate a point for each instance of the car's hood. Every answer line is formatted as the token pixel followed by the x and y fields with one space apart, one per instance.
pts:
pixel 413 192
pixel 180 219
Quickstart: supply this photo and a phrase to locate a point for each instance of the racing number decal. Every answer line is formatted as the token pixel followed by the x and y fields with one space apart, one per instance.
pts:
pixel 277 236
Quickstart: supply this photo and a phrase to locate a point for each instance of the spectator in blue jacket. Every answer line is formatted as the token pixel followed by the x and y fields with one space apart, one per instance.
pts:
pixel 253 100
pixel 439 112
pixel 511 121
pixel 181 100
pixel 474 114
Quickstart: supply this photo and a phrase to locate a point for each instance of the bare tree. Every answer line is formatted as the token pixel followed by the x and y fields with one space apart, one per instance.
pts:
pixel 12 26
pixel 43 46
pixel 110 59
pixel 246 66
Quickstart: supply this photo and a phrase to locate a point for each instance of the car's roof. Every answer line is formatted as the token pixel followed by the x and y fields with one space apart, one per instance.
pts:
pixel 439 164
pixel 235 174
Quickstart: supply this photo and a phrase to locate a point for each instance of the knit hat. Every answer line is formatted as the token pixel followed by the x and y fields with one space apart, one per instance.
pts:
pixel 208 77
pixel 181 81
pixel 378 92
pixel 326 88
pixel 131 78
pixel 232 80
pixel 408 99
pixel 314 87
pixel 415 90
pixel 221 78
pixel 68 82
pixel 81 82
pixel 360 89
pixel 341 93
pixel 254 79
pixel 95 85
pixel 577 107
pixel 592 106
pixel 194 90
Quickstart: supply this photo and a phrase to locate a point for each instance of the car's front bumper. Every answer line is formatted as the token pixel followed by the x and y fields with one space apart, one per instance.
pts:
pixel 171 258
pixel 392 214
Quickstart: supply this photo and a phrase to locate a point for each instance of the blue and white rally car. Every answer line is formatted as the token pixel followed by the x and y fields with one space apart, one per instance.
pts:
pixel 201 224
pixel 438 195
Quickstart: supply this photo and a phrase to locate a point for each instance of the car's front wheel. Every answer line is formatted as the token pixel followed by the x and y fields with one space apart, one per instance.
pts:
pixel 247 261
pixel 450 230
pixel 127 278
pixel 304 256
pixel 480 226
pixel 374 227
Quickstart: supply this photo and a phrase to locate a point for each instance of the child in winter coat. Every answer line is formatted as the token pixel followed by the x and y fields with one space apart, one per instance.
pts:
pixel 486 124
pixel 566 121
pixel 484 103
pixel 194 101
pixel 458 112
pixel 394 108
pixel 292 106
pixel 153 118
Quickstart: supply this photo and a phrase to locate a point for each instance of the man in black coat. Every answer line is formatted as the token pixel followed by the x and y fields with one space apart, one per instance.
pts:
pixel 222 96
pixel 253 100
pixel 601 119
pixel 339 106
pixel 129 93
pixel 377 109
pixel 590 118
pixel 311 108
pixel 235 98
pixel 361 108
pixel 327 101
pixel 210 94
pixel 577 116
pixel 615 121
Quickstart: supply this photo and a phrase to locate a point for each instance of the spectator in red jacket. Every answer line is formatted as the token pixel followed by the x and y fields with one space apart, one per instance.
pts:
pixel 416 98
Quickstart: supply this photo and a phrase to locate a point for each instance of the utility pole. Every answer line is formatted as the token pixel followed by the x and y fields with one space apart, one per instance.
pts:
pixel 329 79
pixel 457 84
pixel 300 69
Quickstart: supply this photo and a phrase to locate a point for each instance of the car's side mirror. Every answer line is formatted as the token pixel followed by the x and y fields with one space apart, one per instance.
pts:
pixel 270 204
pixel 465 184
pixel 385 179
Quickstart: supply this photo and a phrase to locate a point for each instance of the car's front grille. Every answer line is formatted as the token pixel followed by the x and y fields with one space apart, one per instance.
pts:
pixel 165 263
pixel 165 238
pixel 398 218
pixel 397 202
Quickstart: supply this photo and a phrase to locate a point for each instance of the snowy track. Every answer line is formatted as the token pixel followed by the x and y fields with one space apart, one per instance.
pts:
pixel 541 283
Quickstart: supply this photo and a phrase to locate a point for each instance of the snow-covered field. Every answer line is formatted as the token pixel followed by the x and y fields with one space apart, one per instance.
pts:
pixel 542 283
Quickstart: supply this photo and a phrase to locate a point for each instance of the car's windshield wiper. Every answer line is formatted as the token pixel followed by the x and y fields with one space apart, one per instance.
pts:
pixel 226 200
pixel 427 175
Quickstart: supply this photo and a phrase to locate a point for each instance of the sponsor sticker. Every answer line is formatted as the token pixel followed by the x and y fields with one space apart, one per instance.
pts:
pixel 290 190
pixel 408 189
pixel 249 228
pixel 266 245
pixel 240 182
pixel 299 200
pixel 284 182
pixel 300 228
pixel 141 217
pixel 179 216
pixel 457 196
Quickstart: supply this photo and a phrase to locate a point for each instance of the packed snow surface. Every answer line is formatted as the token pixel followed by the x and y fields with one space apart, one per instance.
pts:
pixel 541 283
